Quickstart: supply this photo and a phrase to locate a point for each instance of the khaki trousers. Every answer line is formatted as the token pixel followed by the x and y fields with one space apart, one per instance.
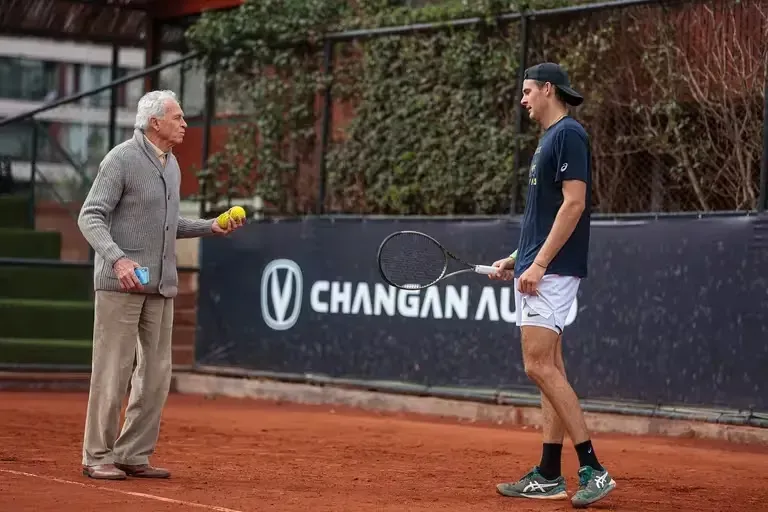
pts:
pixel 126 326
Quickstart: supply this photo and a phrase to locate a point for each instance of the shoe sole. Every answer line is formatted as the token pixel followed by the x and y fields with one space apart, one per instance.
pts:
pixel 112 477
pixel 562 495
pixel 608 490
pixel 140 474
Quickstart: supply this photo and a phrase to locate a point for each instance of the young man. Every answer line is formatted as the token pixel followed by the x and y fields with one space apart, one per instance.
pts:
pixel 550 262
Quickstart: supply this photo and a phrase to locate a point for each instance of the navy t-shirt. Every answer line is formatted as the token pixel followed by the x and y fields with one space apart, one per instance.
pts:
pixel 563 154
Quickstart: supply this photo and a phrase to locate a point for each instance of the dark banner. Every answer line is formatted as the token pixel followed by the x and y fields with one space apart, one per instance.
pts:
pixel 674 310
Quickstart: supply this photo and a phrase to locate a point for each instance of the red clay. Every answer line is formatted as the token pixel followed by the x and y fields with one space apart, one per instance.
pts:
pixel 256 456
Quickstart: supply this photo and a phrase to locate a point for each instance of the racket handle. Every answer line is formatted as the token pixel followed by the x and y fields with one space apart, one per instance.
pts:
pixel 485 269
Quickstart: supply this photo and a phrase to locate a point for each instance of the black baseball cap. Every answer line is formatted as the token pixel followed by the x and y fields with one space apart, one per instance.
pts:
pixel 557 76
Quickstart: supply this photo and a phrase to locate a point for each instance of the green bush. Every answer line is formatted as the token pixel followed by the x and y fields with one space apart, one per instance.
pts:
pixel 433 127
pixel 438 111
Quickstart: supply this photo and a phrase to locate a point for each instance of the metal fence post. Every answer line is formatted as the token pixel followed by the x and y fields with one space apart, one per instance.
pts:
pixel 33 175
pixel 519 112
pixel 113 101
pixel 209 109
pixel 325 125
pixel 762 202
pixel 113 97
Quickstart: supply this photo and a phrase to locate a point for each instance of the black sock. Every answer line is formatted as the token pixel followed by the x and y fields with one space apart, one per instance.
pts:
pixel 587 455
pixel 550 460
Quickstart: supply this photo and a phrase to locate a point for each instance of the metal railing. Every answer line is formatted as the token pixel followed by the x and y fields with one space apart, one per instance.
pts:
pixel 41 262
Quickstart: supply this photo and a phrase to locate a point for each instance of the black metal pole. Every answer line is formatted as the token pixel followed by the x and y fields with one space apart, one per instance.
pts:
pixel 209 107
pixel 33 176
pixel 113 97
pixel 519 112
pixel 325 125
pixel 182 83
pixel 762 203
pixel 153 55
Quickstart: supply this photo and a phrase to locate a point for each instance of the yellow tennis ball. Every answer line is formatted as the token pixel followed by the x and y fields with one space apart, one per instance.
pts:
pixel 223 220
pixel 237 213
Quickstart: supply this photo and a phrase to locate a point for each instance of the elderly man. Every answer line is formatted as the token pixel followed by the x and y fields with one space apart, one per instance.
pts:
pixel 131 219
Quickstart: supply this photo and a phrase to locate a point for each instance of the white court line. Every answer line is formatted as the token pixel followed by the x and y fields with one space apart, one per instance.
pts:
pixel 120 491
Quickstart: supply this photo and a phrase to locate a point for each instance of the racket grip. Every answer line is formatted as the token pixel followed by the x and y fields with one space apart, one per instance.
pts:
pixel 485 269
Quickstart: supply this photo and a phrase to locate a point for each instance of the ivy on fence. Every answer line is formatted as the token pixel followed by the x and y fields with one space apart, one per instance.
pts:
pixel 424 123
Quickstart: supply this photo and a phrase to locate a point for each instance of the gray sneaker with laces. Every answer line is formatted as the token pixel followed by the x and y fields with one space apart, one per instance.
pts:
pixel 535 486
pixel 594 485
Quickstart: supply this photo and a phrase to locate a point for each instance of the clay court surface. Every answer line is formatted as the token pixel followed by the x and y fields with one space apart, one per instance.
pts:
pixel 243 455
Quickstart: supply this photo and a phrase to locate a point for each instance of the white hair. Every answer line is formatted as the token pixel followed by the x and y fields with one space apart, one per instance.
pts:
pixel 152 104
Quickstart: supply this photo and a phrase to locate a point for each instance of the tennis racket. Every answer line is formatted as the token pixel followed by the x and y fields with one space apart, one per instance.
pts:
pixel 412 260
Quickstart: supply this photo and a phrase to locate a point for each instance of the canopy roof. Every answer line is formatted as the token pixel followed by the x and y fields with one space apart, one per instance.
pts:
pixel 124 22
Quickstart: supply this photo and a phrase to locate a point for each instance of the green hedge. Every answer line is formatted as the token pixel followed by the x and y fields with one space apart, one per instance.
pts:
pixel 52 283
pixel 14 212
pixel 40 319
pixel 23 243
pixel 432 130
pixel 31 351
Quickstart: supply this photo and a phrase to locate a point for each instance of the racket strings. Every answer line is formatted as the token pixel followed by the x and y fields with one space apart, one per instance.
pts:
pixel 412 259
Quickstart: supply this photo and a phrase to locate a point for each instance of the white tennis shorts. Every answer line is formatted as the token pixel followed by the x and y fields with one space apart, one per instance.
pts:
pixel 550 307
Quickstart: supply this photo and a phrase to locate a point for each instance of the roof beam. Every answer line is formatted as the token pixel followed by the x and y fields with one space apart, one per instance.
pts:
pixel 182 8
pixel 129 5
pixel 79 37
pixel 119 22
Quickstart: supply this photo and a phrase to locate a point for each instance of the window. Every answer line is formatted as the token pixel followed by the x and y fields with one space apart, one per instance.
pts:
pixel 93 76
pixel 25 79
pixel 36 80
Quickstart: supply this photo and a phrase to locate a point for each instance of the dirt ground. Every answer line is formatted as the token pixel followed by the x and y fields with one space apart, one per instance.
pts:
pixel 242 455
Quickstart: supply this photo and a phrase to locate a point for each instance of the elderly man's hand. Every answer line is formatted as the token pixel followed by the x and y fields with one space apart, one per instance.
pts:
pixel 124 270
pixel 231 226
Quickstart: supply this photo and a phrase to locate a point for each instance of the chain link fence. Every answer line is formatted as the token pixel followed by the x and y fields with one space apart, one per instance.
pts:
pixel 674 100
